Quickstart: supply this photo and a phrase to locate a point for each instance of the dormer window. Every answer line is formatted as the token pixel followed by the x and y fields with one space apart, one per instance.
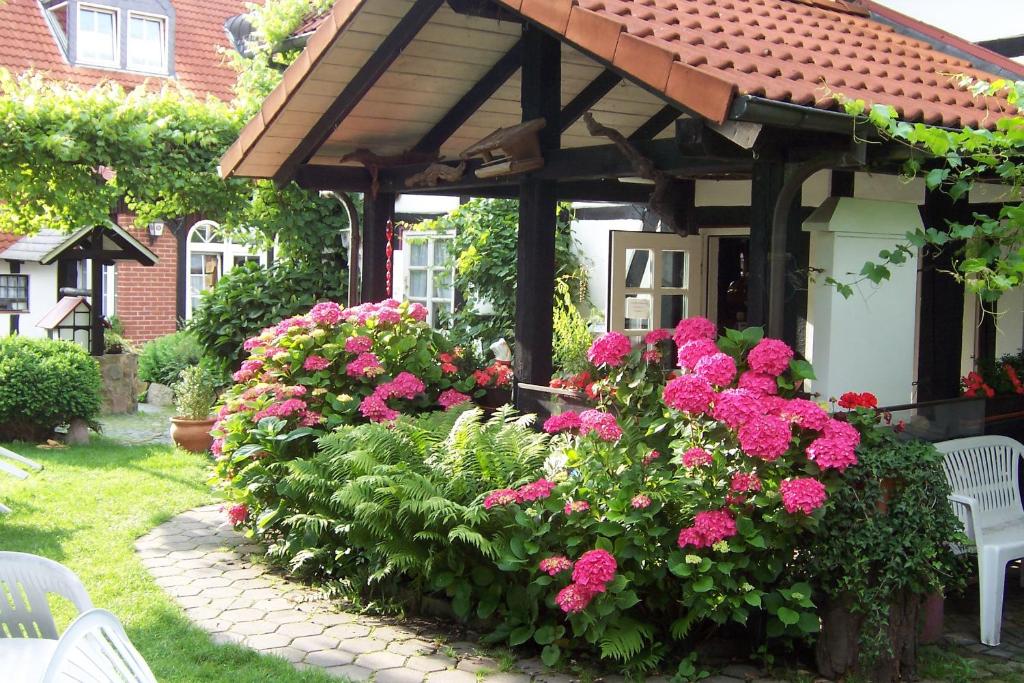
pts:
pixel 132 35
pixel 97 36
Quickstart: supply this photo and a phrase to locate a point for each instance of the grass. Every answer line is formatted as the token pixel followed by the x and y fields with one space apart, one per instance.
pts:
pixel 86 509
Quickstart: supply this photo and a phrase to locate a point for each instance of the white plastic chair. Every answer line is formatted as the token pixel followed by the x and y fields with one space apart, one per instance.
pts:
pixel 25 580
pixel 15 471
pixel 95 648
pixel 983 474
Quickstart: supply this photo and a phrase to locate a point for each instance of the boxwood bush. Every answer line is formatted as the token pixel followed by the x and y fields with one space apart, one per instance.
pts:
pixel 45 384
pixel 163 359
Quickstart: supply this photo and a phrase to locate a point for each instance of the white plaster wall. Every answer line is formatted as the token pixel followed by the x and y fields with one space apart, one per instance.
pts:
pixel 1010 322
pixel 425 203
pixel 983 193
pixel 889 188
pixel 594 239
pixel 42 296
pixel 865 343
pixel 722 193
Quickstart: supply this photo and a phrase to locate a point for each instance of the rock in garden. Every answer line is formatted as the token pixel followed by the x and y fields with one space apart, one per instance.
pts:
pixel 160 395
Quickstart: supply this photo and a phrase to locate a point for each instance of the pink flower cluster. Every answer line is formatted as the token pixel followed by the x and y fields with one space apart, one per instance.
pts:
pixel 405 385
pixel 365 365
pixel 555 565
pixel 450 398
pixel 692 352
pixel 326 313
pixel 743 482
pixel 537 490
pixel 690 329
pixel 358 344
pixel 288 323
pixel 374 408
pixel 656 336
pixel 650 457
pixel 735 407
pixel 696 457
pixel 758 383
pixel 803 494
pixel 718 368
pixel 610 349
pixel 282 409
pixel 576 506
pixel 249 369
pixel 590 576
pixel 501 497
pixel 770 357
pixel 601 423
pixel 766 437
pixel 836 447
pixel 689 393
pixel 314 363
pixel 237 514
pixel 708 528
pixel 640 501
pixel 563 422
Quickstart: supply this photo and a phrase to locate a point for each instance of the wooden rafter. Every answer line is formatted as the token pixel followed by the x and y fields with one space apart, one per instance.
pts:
pixel 593 93
pixel 657 123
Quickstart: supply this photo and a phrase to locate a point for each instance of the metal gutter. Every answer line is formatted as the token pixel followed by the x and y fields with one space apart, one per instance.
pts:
pixel 755 109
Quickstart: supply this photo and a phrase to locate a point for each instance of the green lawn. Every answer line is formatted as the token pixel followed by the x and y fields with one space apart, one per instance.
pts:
pixel 85 510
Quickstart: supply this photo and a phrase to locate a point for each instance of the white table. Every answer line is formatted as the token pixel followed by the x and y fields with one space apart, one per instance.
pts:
pixel 25 659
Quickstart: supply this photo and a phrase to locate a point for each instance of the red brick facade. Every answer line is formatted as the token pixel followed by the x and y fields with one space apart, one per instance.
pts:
pixel 147 297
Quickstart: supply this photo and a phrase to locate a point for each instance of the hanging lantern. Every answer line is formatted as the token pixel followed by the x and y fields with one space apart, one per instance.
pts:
pixel 389 252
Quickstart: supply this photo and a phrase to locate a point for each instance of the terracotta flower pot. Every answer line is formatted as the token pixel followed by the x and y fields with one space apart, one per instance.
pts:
pixel 192 435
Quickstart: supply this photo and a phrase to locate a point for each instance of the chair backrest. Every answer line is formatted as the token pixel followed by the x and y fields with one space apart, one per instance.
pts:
pixel 25 581
pixel 986 469
pixel 96 649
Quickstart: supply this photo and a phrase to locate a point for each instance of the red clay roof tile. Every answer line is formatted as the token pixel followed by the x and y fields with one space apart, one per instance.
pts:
pixel 27 43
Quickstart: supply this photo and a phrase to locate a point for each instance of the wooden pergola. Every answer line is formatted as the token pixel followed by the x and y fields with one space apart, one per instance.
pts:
pixel 678 90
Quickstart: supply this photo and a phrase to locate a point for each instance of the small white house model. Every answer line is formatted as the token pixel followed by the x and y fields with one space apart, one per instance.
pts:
pixel 69 320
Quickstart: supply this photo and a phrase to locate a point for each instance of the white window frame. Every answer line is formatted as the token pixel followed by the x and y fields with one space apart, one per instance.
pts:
pixel 164 60
pixel 59 32
pixel 225 250
pixel 28 294
pixel 431 269
pixel 116 63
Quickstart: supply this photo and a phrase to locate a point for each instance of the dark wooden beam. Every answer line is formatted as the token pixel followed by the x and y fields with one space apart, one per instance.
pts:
pixel 368 75
pixel 768 177
pixel 842 183
pixel 335 178
pixel 657 123
pixel 593 93
pixel 1008 47
pixel 535 260
pixel 376 213
pixel 96 345
pixel 472 100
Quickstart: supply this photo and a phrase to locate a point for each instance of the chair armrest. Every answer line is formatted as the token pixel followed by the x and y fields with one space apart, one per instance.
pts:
pixel 972 530
pixel 95 647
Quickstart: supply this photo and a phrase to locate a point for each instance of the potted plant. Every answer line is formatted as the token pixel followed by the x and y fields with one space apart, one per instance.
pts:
pixel 998 382
pixel 194 396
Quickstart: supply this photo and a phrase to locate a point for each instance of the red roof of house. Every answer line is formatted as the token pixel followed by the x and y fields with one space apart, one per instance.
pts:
pixel 26 42
pixel 700 52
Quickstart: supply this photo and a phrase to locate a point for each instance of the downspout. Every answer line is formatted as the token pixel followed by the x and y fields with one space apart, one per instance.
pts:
pixel 354 242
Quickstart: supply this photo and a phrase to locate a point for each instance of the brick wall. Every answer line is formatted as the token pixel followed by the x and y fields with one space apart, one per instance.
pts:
pixel 147 296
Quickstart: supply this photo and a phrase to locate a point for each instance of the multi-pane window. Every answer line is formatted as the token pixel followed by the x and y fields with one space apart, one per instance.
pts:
pixel 97 36
pixel 57 16
pixel 429 272
pixel 147 43
pixel 14 293
pixel 210 257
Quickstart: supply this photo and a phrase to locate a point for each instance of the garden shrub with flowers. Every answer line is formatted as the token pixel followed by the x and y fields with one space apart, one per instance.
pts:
pixel 312 373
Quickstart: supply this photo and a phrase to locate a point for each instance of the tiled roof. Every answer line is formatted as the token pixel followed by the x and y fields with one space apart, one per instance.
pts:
pixel 310 23
pixel 34 247
pixel 701 52
pixel 27 43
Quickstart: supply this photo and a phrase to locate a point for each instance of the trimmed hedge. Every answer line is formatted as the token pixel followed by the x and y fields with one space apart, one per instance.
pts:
pixel 45 384
pixel 163 359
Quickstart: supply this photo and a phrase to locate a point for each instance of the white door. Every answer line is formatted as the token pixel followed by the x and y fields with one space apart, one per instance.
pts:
pixel 656 279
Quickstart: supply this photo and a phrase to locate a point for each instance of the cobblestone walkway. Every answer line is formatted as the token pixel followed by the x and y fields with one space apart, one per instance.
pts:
pixel 150 426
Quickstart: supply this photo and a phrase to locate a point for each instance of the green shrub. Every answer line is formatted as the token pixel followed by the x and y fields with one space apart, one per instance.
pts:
pixel 45 384
pixel 163 359
pixel 251 298
pixel 195 393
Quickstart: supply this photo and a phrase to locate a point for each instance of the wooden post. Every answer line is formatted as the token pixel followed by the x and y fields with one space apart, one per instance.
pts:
pixel 376 213
pixel 535 264
pixel 942 306
pixel 768 177
pixel 96 346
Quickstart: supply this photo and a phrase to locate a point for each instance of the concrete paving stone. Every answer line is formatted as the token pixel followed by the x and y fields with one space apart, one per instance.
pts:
pixel 221 591
pixel 234 602
pixel 360 646
pixel 741 671
pixel 316 643
pixel 342 631
pixel 189 601
pixel 172 580
pixel 198 563
pixel 350 672
pixel 380 660
pixel 256 628
pixel 392 633
pixel 265 641
pixel 285 616
pixel 414 646
pixel 333 618
pixel 299 629
pixel 532 666
pixel 202 613
pixel 243 614
pixel 212 582
pixel 216 625
pixel 325 659
pixel 269 596
pixel 183 554
pixel 450 676
pixel 251 584
pixel 165 571
pixel 227 638
pixel 429 663
pixel 291 654
pixel 241 574
pixel 183 591
pixel 474 664
pixel 399 676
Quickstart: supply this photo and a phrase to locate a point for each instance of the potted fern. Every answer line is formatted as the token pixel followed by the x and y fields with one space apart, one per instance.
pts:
pixel 194 396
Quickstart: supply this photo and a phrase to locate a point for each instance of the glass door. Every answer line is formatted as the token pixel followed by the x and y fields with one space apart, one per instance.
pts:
pixel 656 280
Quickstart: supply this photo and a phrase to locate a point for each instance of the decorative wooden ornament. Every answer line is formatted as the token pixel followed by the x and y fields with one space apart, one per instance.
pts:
pixel 435 173
pixel 508 151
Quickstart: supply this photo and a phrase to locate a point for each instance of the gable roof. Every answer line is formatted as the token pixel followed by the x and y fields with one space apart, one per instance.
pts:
pixel 700 56
pixel 48 246
pixel 26 42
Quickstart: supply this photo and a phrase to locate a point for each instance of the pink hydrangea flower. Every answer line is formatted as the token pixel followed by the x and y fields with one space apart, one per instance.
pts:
pixel 237 514
pixel 708 528
pixel 315 363
pixel 743 482
pixel 405 385
pixel 576 506
pixel 217 447
pixel 734 407
pixel 765 437
pixel 640 501
pixel 252 343
pixel 281 409
pixel 555 564
pixel 806 414
pixel 836 448
pixel 804 494
pixel 501 497
pixel 326 313
pixel 693 351
pixel 758 383
pixel 689 393
pixel 249 369
pixel 450 398
pixel 311 418
pixel 289 323
pixel 594 570
pixel 538 490
pixel 358 344
pixel 610 349
pixel 690 329
pixel 650 457
pixel 770 357
pixel 364 365
pixel 418 312
pixel 601 423
pixel 697 457
pixel 562 422
pixel 374 408
pixel 573 598
pixel 718 368
pixel 389 316
pixel 655 336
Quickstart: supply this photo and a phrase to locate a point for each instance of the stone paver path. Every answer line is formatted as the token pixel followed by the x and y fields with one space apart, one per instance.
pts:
pixel 151 425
